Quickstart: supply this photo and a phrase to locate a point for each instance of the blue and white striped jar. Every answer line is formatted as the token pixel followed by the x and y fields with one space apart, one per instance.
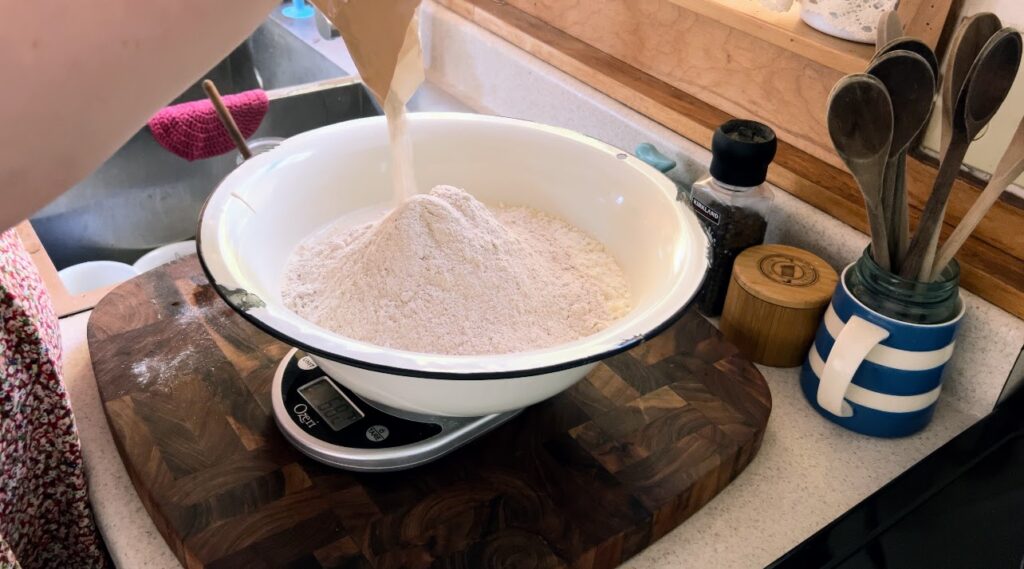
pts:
pixel 873 374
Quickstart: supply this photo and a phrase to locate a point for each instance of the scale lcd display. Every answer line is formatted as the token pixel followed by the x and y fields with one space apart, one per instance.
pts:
pixel 330 403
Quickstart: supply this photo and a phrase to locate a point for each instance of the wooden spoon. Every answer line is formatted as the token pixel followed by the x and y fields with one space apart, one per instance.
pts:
pixel 898 215
pixel 911 44
pixel 964 48
pixel 860 123
pixel 1010 167
pixel 889 28
pixel 911 86
pixel 226 119
pixel 985 89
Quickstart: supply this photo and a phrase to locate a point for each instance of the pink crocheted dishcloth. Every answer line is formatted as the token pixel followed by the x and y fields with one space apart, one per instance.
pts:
pixel 194 131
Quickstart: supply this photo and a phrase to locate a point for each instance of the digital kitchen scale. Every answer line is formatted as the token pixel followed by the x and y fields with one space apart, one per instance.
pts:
pixel 331 424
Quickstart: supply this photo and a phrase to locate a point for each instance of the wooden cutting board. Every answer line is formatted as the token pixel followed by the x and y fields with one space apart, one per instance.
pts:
pixel 586 479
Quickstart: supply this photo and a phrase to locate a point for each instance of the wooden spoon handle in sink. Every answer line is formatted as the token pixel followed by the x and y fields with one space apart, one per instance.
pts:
pixel 1010 167
pixel 226 119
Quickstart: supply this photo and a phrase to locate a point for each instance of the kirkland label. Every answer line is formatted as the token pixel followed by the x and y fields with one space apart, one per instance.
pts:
pixel 708 214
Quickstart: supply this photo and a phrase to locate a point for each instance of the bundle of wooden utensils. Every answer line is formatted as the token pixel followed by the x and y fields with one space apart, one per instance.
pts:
pixel 874 117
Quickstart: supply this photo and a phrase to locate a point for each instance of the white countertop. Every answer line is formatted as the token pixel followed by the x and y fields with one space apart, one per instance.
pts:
pixel 806 474
pixel 131 536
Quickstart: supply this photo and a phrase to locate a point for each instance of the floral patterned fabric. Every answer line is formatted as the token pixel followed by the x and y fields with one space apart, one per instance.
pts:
pixel 45 518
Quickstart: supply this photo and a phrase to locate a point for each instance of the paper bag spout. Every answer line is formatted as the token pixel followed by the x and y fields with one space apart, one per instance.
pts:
pixel 383 38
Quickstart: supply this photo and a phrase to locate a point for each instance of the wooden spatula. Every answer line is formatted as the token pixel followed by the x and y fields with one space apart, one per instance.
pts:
pixel 1010 167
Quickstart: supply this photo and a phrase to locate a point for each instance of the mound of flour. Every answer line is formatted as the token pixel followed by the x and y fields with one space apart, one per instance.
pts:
pixel 441 273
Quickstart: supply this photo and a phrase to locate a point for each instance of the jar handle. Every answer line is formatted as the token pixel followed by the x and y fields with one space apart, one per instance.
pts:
pixel 857 338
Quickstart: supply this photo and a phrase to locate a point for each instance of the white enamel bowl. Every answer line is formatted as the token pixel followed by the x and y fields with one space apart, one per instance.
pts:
pixel 262 210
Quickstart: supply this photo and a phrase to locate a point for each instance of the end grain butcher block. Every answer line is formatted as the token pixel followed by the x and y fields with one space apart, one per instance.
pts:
pixel 586 479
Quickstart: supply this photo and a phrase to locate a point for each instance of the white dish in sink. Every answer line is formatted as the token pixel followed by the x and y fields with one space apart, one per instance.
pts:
pixel 164 255
pixel 91 275
pixel 262 210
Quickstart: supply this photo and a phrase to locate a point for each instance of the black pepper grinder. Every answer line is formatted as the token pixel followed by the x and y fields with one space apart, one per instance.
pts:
pixel 733 201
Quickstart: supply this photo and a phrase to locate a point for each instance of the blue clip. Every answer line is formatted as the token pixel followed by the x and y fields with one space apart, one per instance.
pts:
pixel 651 155
pixel 298 10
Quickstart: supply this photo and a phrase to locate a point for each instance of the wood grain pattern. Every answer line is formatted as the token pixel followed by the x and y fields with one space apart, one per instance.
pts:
pixel 586 479
pixel 785 30
pixel 734 54
pixel 777 295
pixel 739 73
pixel 923 19
pixel 991 261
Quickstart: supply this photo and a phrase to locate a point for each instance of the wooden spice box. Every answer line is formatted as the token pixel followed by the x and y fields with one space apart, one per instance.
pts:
pixel 777 295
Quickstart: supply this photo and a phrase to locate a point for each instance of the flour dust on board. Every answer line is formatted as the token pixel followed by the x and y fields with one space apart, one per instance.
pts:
pixel 383 39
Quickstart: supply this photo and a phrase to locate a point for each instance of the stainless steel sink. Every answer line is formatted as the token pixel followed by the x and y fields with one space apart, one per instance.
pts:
pixel 144 196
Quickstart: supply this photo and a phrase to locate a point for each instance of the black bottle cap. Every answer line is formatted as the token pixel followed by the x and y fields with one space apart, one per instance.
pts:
pixel 741 151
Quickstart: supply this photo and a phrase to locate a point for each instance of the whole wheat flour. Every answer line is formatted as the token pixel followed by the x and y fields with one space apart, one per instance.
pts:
pixel 441 273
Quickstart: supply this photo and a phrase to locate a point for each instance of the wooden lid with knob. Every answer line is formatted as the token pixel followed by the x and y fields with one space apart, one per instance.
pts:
pixel 776 298
pixel 785 276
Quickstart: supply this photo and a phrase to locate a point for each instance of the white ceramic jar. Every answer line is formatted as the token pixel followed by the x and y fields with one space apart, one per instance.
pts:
pixel 854 20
